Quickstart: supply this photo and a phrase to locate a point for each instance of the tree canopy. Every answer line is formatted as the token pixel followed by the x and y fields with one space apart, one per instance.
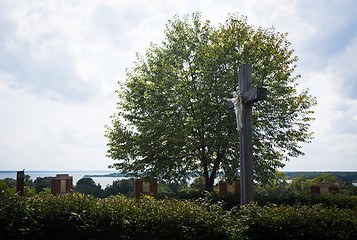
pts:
pixel 172 122
pixel 88 186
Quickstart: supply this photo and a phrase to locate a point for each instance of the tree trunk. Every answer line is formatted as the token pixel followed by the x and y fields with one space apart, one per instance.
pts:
pixel 209 183
pixel 209 179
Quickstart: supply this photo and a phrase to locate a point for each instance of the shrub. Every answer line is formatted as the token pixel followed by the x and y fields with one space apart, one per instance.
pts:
pixel 88 186
pixel 298 222
pixel 121 186
pixel 79 216
pixel 328 200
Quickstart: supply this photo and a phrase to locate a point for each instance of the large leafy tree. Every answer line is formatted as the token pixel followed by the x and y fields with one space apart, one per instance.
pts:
pixel 172 122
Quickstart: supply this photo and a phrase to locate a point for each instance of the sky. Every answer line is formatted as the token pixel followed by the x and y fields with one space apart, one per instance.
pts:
pixel 60 63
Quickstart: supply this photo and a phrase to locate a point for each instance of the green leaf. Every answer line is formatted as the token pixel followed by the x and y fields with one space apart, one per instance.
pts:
pixel 172 121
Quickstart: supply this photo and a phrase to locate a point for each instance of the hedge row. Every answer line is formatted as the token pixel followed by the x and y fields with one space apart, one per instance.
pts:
pixel 298 222
pixel 327 200
pixel 232 200
pixel 84 217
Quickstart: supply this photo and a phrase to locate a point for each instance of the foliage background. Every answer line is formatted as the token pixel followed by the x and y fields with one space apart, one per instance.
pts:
pixel 172 122
pixel 284 210
pixel 78 216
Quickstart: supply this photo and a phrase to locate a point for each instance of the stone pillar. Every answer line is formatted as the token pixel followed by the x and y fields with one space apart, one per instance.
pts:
pixel 138 188
pixel 62 184
pixel 323 188
pixel 333 189
pixel 145 186
pixel 225 188
pixel 20 183
pixel 315 189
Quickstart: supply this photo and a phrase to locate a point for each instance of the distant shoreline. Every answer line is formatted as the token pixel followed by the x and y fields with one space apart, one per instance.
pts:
pixel 77 175
pixel 58 171
pixel 107 175
pixel 345 176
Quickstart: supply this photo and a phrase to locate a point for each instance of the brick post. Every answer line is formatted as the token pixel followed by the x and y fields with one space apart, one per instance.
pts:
pixel 323 188
pixel 153 187
pixel 236 187
pixel 333 189
pixel 138 188
pixel 56 186
pixel 69 185
pixel 223 189
pixel 61 184
pixel 145 186
pixel 20 183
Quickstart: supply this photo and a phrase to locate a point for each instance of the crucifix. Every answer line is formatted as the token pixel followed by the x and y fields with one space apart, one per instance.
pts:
pixel 242 103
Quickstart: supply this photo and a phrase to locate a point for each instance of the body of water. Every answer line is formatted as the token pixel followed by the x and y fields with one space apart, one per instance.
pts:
pixel 103 181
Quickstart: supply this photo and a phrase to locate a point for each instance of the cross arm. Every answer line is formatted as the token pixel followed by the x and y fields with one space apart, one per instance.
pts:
pixel 250 96
pixel 254 95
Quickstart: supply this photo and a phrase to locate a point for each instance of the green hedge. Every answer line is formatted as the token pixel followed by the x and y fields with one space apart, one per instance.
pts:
pixel 298 222
pixel 328 200
pixel 85 217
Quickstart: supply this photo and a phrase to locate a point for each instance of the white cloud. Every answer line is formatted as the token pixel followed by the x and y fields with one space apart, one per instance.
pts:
pixel 40 50
pixel 58 135
pixel 335 85
pixel 60 62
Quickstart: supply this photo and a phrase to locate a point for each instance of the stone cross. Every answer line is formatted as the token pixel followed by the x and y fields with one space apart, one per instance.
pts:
pixel 242 103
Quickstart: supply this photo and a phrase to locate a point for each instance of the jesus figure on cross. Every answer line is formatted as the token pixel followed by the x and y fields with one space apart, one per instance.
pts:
pixel 242 103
